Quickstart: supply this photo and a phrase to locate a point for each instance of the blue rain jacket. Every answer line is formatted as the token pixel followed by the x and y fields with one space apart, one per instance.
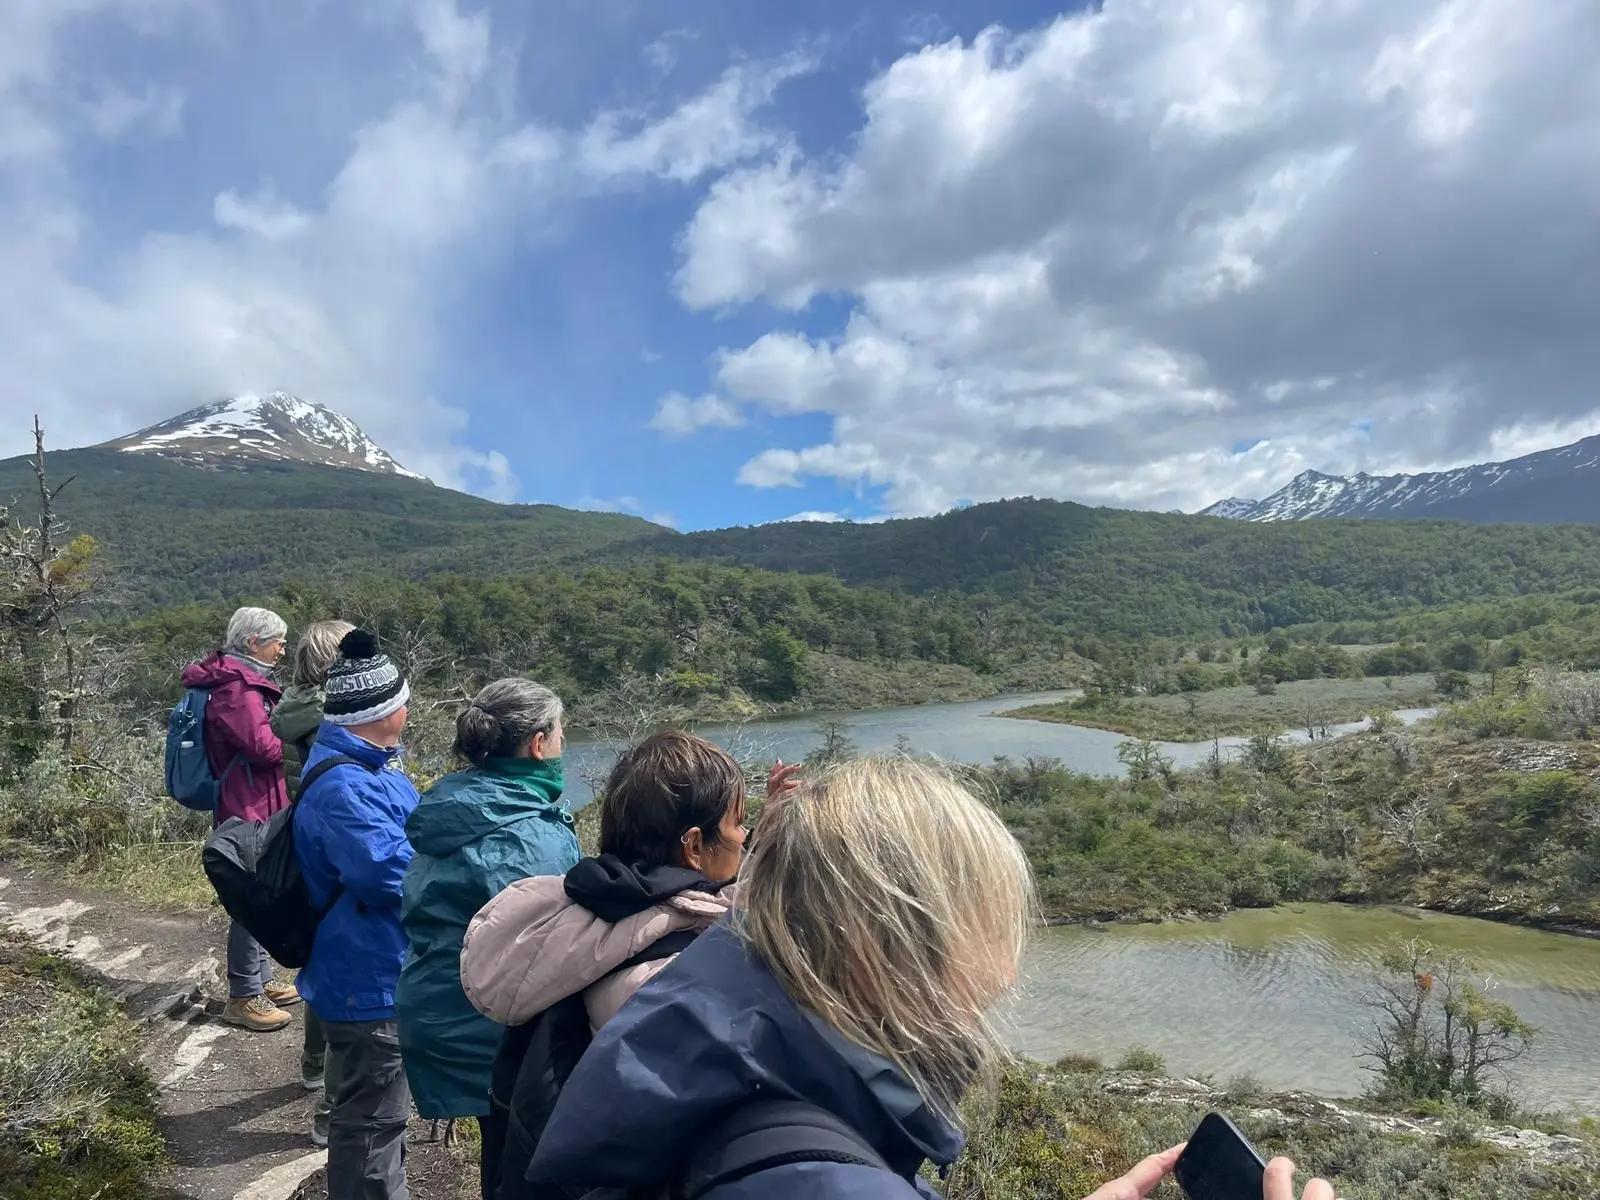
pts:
pixel 350 831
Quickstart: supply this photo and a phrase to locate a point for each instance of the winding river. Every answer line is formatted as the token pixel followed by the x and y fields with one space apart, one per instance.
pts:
pixel 971 731
pixel 1272 993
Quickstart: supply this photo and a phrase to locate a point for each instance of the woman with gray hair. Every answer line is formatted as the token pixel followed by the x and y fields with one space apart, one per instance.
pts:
pixel 247 759
pixel 475 833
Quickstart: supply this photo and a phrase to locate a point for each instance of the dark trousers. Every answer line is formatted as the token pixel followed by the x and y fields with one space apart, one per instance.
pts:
pixel 316 1061
pixel 367 1134
pixel 492 1129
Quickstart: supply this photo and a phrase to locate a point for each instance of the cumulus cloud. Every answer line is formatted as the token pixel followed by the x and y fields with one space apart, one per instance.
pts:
pixel 336 290
pixel 678 415
pixel 707 133
pixel 1091 259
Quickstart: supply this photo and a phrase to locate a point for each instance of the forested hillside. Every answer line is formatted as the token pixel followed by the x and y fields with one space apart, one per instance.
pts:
pixel 175 532
pixel 1136 573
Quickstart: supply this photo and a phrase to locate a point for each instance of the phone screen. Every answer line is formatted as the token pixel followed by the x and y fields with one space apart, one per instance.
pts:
pixel 1219 1163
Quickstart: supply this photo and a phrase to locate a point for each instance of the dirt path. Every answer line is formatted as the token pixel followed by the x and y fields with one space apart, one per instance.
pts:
pixel 236 1116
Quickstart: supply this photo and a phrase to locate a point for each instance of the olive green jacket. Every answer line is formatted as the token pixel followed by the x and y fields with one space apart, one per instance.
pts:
pixel 295 720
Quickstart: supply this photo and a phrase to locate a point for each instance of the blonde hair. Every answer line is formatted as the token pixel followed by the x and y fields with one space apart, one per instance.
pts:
pixel 893 904
pixel 315 651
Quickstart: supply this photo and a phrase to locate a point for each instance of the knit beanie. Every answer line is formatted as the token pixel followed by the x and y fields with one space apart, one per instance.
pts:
pixel 363 684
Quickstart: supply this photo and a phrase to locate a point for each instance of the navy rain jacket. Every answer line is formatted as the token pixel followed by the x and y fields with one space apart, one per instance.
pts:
pixel 712 1030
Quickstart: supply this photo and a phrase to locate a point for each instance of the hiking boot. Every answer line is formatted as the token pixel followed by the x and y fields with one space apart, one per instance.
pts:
pixel 319 1127
pixel 281 994
pixel 312 1083
pixel 255 1013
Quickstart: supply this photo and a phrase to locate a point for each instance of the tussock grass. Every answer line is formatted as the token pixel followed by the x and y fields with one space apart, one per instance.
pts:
pixel 77 1110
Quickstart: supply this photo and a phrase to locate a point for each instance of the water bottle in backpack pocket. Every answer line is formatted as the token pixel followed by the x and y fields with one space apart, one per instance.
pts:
pixel 190 779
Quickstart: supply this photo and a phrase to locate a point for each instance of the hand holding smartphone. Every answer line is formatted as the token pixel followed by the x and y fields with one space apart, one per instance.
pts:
pixel 1219 1163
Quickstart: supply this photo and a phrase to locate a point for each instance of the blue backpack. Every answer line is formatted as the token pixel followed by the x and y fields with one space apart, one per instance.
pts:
pixel 190 779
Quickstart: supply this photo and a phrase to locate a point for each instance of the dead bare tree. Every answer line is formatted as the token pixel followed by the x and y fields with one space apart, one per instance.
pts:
pixel 1411 826
pixel 47 579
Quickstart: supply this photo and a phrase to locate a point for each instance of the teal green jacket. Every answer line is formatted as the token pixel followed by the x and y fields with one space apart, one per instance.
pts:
pixel 475 833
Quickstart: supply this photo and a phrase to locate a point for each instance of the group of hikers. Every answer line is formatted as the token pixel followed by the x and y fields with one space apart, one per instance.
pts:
pixel 699 1010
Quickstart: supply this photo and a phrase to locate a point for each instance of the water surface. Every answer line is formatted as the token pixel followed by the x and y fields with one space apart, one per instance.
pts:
pixel 1277 993
pixel 970 731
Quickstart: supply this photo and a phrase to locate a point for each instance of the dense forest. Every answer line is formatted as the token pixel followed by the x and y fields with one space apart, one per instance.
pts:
pixel 1141 574
pixel 700 630
pixel 175 533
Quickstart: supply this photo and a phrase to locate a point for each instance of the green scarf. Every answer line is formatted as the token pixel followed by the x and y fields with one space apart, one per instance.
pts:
pixel 541 775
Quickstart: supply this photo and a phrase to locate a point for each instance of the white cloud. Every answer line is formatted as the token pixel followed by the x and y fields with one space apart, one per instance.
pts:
pixel 631 505
pixel 678 415
pixel 266 214
pixel 1088 260
pixel 337 289
pixel 707 132
pixel 825 518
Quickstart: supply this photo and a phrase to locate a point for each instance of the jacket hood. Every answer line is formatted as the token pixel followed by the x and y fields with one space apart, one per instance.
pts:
pixel 614 890
pixel 533 945
pixel 468 806
pixel 217 669
pixel 298 714
pixel 713 1030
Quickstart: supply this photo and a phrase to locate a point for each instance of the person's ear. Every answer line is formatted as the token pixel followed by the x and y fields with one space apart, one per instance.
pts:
pixel 692 852
pixel 538 744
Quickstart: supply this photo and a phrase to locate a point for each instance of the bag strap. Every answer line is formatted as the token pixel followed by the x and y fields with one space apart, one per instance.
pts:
pixel 323 767
pixel 663 947
pixel 306 780
pixel 764 1134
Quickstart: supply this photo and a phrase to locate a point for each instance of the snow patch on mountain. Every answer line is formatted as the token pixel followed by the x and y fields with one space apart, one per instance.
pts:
pixel 1553 474
pixel 1234 507
pixel 276 427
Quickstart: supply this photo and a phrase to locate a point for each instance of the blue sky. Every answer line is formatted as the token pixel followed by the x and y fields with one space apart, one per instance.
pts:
pixel 720 262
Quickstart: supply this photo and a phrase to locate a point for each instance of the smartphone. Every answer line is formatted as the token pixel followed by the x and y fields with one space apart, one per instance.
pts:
pixel 1219 1163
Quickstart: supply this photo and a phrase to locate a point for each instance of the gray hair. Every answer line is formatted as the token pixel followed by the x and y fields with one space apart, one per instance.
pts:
pixel 315 651
pixel 503 717
pixel 253 624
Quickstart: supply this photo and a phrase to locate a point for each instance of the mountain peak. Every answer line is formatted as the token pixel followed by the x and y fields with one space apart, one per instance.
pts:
pixel 1234 508
pixel 275 427
pixel 1550 485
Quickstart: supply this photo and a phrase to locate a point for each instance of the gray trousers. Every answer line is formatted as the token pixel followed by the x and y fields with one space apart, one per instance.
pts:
pixel 367 1135
pixel 249 968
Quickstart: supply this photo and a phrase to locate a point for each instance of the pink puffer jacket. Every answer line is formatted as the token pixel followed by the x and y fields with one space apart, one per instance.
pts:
pixel 532 945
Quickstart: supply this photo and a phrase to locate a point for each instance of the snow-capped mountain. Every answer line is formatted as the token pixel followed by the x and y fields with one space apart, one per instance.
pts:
pixel 1557 485
pixel 277 427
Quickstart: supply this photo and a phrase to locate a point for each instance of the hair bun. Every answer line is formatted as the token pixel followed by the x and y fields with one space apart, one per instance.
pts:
pixel 359 643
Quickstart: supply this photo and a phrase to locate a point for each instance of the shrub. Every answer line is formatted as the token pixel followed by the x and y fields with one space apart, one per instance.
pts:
pixel 1142 1060
pixel 1079 1064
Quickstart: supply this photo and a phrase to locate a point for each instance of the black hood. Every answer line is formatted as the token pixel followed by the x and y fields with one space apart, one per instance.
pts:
pixel 614 890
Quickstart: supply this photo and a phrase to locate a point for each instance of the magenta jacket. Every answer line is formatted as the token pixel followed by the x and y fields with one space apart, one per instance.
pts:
pixel 236 729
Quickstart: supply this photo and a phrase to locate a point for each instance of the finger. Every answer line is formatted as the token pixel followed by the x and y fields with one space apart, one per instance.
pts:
pixel 1318 1189
pixel 1279 1181
pixel 1142 1180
